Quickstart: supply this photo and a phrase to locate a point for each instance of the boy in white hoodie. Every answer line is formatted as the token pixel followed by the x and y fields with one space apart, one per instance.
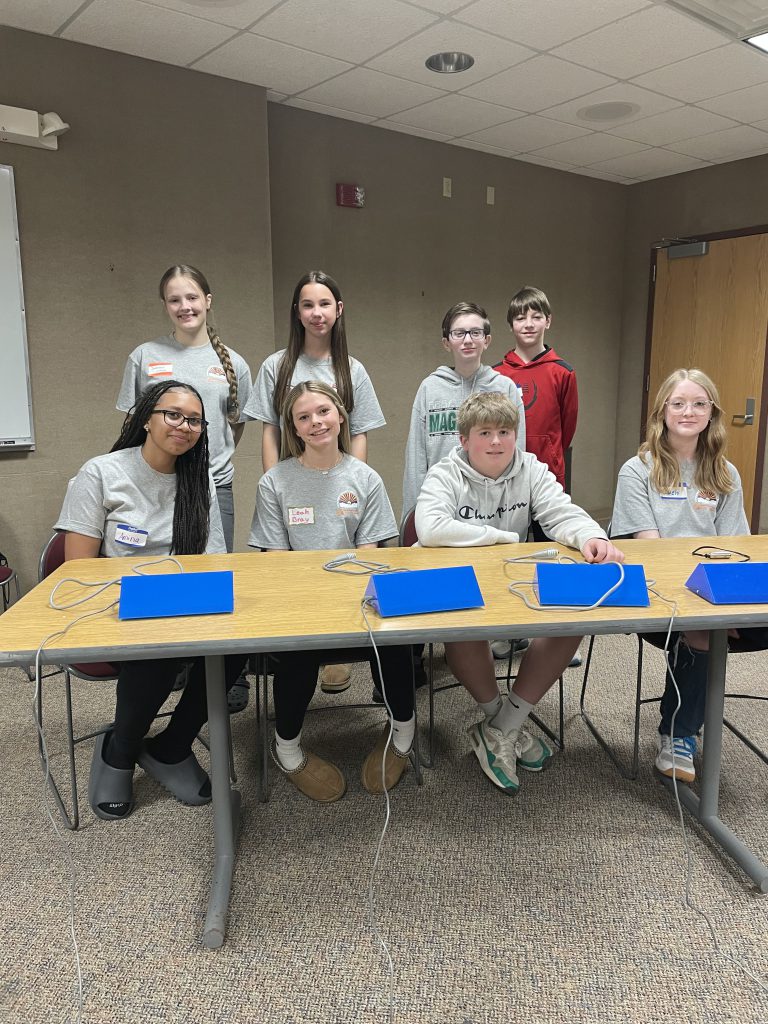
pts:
pixel 487 492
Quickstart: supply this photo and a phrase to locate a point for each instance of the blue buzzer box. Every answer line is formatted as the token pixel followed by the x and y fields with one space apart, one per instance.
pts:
pixel 424 590
pixel 582 585
pixel 740 583
pixel 182 593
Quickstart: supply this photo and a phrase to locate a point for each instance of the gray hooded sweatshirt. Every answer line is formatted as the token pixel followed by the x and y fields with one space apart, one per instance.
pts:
pixel 459 507
pixel 433 432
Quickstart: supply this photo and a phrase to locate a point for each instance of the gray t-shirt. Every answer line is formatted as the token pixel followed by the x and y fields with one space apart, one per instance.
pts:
pixel 166 358
pixel 366 414
pixel 685 512
pixel 302 509
pixel 120 499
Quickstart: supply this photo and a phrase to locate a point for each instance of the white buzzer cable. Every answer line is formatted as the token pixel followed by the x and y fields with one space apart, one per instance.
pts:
pixel 687 899
pixel 100 587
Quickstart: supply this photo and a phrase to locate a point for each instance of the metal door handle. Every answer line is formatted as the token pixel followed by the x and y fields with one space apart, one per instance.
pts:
pixel 746 418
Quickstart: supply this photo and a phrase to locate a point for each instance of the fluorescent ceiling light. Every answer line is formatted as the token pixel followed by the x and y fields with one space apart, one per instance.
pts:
pixel 760 42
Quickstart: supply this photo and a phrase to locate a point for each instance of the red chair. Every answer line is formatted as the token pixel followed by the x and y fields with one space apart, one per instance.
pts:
pixel 98 671
pixel 7 577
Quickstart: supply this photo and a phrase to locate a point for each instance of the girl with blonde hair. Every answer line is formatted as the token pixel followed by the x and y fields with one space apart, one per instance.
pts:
pixel 680 484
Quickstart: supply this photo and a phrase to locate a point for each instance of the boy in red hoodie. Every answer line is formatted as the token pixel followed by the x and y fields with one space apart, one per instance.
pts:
pixel 547 383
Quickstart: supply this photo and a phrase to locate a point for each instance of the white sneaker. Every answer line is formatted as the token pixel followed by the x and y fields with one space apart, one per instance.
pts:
pixel 675 757
pixel 497 755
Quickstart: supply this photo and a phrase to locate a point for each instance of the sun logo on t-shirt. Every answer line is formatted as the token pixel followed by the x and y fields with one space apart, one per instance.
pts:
pixel 348 501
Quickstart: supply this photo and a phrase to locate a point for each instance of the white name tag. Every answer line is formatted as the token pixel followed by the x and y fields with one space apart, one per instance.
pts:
pixel 160 369
pixel 132 536
pixel 676 494
pixel 304 516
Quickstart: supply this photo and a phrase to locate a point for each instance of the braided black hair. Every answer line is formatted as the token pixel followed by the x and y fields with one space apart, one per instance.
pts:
pixel 191 509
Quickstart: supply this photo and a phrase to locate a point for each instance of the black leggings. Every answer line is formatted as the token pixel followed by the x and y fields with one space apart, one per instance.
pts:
pixel 296 679
pixel 142 689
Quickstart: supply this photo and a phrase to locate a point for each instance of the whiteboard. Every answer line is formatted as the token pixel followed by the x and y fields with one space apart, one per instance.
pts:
pixel 16 426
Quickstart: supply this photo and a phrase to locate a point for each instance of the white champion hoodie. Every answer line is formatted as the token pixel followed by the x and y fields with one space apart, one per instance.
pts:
pixel 459 507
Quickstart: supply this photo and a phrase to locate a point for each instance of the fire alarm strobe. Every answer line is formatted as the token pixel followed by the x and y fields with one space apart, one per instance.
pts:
pixel 350 195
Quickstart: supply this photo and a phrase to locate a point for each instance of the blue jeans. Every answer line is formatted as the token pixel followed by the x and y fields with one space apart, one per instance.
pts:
pixel 227 512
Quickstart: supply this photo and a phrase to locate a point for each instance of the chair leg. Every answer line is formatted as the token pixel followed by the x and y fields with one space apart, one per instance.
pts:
pixel 429 760
pixel 632 771
pixel 71 821
pixel 263 721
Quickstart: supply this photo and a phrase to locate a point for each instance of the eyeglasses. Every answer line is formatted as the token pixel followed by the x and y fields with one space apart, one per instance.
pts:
pixel 175 419
pixel 700 407
pixel 476 333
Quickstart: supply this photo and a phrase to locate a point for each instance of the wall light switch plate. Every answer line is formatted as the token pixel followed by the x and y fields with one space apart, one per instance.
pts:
pixel 447 185
pixel 490 195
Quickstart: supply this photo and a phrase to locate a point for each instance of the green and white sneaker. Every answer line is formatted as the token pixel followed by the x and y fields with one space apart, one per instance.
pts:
pixel 497 755
pixel 532 753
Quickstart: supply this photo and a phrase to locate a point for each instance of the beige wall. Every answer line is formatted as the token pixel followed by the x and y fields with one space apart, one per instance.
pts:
pixel 410 254
pixel 721 198
pixel 161 164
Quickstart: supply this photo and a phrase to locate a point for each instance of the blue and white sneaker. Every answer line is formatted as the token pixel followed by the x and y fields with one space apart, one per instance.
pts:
pixel 675 757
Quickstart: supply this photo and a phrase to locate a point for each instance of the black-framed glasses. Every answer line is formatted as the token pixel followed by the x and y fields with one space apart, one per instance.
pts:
pixel 175 419
pixel 475 333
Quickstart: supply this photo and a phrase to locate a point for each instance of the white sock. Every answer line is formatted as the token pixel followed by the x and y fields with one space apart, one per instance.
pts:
pixel 512 714
pixel 289 752
pixel 403 733
pixel 491 707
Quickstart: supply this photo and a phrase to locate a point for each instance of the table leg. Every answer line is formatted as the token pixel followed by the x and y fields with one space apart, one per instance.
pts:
pixel 705 807
pixel 226 804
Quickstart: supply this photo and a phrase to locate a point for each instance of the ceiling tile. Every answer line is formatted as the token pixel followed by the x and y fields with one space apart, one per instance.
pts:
pixel 762 125
pixel 652 163
pixel 744 104
pixel 406 129
pixel 645 40
pixel 732 144
pixel 37 17
pixel 439 6
pixel 672 125
pixel 236 13
pixel 589 149
pixel 591 172
pixel 542 25
pixel 321 108
pixel 542 161
pixel 709 74
pixel 457 115
pixel 146 31
pixel 538 83
pixel 251 58
pixel 491 55
pixel 528 133
pixel 348 34
pixel 647 102
pixel 370 92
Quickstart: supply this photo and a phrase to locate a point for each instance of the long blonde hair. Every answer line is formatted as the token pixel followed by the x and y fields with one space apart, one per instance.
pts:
pixel 291 445
pixel 711 472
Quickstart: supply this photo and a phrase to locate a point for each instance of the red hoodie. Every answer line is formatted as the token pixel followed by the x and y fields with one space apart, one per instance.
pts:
pixel 551 400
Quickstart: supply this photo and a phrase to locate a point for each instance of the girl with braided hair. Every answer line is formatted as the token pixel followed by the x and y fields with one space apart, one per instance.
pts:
pixel 194 353
pixel 152 495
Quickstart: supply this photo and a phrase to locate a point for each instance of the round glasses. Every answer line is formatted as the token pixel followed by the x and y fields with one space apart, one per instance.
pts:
pixel 476 333
pixel 700 407
pixel 175 419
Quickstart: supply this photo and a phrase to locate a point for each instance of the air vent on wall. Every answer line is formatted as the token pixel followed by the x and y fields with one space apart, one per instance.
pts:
pixel 739 18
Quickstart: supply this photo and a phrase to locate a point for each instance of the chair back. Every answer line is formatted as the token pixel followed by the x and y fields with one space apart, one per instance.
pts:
pixel 51 557
pixel 408 535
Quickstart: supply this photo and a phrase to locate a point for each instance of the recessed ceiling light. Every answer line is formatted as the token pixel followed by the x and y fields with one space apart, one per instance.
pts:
pixel 449 63
pixel 760 42
pixel 607 111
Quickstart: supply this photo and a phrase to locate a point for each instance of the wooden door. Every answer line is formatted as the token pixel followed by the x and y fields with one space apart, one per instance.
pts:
pixel 712 312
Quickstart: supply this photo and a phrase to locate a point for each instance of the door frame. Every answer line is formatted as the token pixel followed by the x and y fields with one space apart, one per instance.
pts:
pixel 753 514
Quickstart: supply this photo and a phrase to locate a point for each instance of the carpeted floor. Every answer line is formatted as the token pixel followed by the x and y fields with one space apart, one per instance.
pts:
pixel 560 905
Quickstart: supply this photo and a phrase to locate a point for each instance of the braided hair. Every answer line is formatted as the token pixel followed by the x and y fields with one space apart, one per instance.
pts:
pixel 339 352
pixel 191 508
pixel 221 350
